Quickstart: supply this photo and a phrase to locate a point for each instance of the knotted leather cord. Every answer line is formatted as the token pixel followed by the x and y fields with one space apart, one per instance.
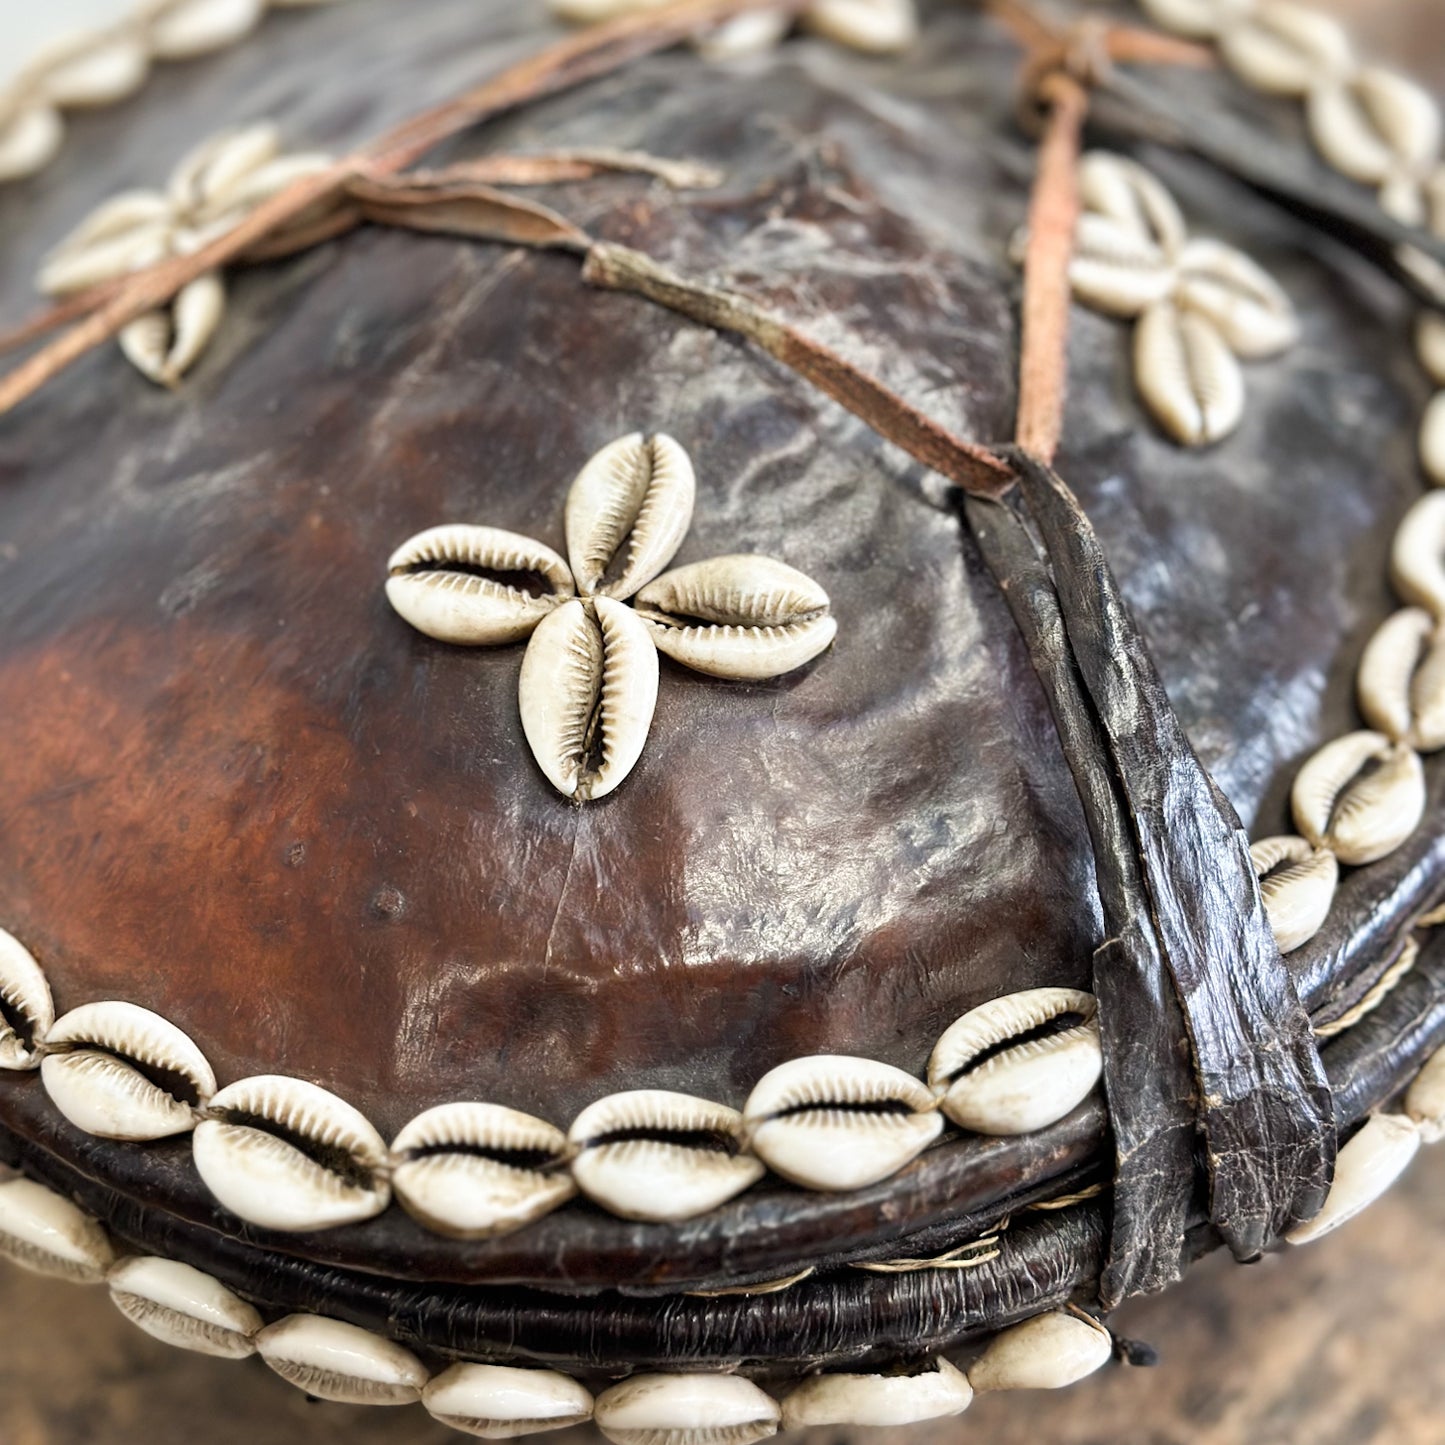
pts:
pixel 1204 1038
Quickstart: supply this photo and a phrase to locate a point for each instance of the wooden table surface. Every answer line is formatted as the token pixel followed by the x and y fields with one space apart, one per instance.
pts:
pixel 1341 1342
pixel 1338 1343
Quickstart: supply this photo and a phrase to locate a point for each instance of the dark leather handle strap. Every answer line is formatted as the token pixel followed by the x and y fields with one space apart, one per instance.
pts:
pixel 1201 1025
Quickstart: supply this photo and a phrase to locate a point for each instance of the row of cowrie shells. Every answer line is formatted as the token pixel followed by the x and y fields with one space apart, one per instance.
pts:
pixel 179 1305
pixel 331 1360
pixel 100 67
pixel 288 1155
pixel 1371 124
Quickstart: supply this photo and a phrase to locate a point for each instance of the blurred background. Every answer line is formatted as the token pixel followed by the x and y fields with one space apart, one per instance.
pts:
pixel 1336 1344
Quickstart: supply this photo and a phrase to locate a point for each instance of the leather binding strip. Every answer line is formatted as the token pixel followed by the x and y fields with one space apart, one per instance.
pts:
pixel 1200 1019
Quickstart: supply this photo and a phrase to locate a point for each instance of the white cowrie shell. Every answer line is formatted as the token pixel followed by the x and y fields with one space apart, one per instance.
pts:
pixel 288 1155
pixel 1197 19
pixel 592 12
pixel 627 512
pixel 29 138
pixel 26 1009
pixel 500 1402
pixel 1367 1165
pixel 741 617
pixel 45 1233
pixel 1430 344
pixel 78 264
pixel 1286 49
pixel 1360 796
pixel 1417 556
pixel 1121 190
pixel 1425 1099
pixel 1187 375
pixel 587 692
pixel 1432 439
pixel 748 34
pixel 119 1071
pixel 331 1360
pixel 181 29
pixel 878 1399
pixel 474 1171
pixel 1044 1353
pixel 181 1306
pixel 1116 270
pixel 208 172
pixel 243 193
pixel 1372 124
pixel 1247 306
pixel 163 345
pixel 1297 882
pixel 88 70
pixel 686 1410
pixel 656 1155
pixel 1402 680
pixel 834 1122
pixel 470 585
pixel 1018 1063
pixel 876 27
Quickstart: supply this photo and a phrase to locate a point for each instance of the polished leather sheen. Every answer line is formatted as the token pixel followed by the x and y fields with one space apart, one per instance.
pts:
pixel 236 788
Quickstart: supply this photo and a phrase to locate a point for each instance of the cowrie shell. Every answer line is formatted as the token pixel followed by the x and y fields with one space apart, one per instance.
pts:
pixel 88 70
pixel 1373 123
pixel 1018 1063
pixel 1432 439
pixel 1197 19
pixel 1114 269
pixel 1121 190
pixel 878 1399
pixel 1417 556
pixel 1367 1165
pixel 123 236
pixel 26 1009
pixel 834 1122
pixel 587 692
pixel 652 1154
pixel 1044 1353
pixel 499 1402
pixel 473 1171
pixel 741 616
pixel 1248 307
pixel 207 173
pixel 1286 49
pixel 45 1233
pixel 1425 1099
pixel 748 34
pixel 181 29
pixel 181 1306
pixel 288 1155
pixel 1297 882
pixel 876 27
pixel 119 1071
pixel 1430 344
pixel 1187 375
pixel 591 12
pixel 1360 796
pixel 29 137
pixel 331 1360
pixel 163 345
pixel 475 585
pixel 1402 680
pixel 627 513
pixel 686 1410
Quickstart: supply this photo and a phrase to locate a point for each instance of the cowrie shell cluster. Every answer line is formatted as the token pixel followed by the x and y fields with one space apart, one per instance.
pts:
pixel 1019 1063
pixel 1198 303
pixel 213 187
pixel 87 69
pixel 288 1155
pixel 876 27
pixel 589 679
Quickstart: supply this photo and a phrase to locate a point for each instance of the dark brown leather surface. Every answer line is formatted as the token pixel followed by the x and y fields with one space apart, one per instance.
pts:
pixel 237 789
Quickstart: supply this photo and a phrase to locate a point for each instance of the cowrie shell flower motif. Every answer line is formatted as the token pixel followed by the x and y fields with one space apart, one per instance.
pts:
pixel 876 27
pixel 1201 305
pixel 589 675
pixel 213 188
